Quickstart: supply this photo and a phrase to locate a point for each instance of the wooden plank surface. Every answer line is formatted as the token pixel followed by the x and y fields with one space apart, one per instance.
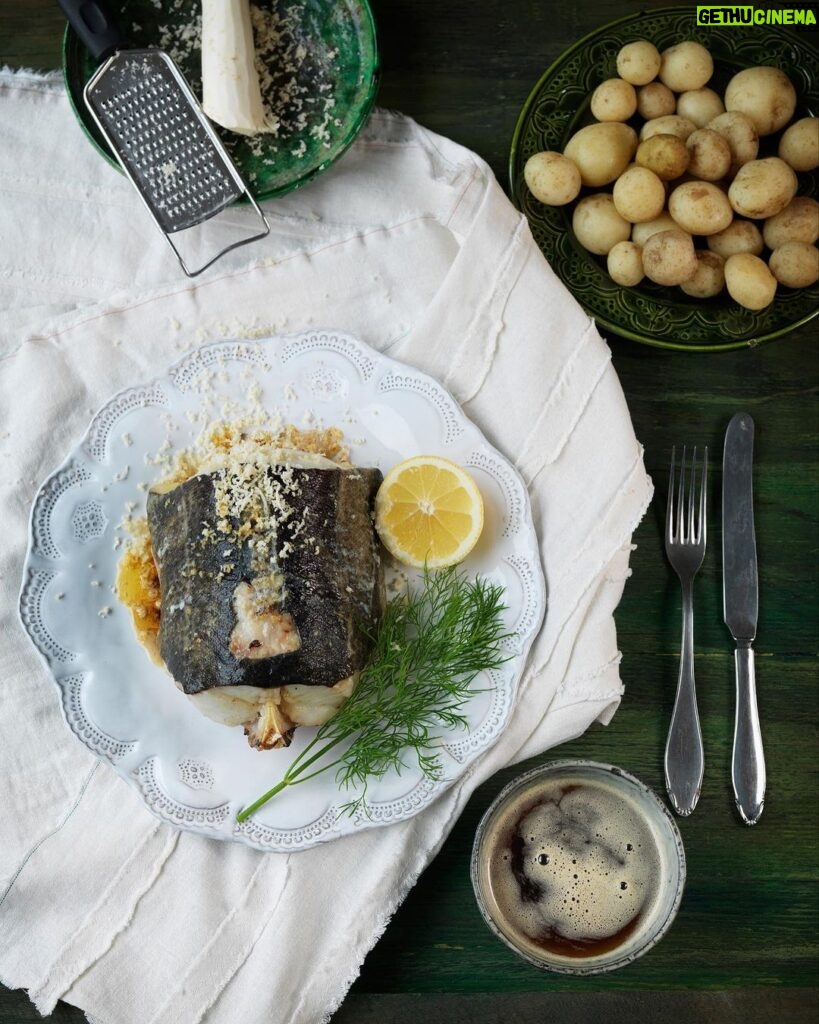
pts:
pixel 746 928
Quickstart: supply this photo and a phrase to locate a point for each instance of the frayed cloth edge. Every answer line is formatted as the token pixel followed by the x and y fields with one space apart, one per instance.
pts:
pixel 31 76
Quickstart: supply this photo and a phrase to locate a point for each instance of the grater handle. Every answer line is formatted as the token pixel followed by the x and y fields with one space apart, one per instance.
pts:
pixel 93 23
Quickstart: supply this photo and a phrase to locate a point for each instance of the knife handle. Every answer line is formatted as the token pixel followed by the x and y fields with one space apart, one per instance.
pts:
pixel 684 755
pixel 748 765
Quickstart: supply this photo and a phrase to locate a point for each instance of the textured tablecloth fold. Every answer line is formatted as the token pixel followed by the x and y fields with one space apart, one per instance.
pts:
pixel 409 244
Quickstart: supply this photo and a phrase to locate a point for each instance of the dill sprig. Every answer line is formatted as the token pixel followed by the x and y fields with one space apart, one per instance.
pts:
pixel 429 647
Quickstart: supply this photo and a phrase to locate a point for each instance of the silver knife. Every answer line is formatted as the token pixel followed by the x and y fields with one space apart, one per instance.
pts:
pixel 740 590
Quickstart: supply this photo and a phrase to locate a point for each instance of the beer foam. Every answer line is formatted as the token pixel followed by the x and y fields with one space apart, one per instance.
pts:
pixel 575 861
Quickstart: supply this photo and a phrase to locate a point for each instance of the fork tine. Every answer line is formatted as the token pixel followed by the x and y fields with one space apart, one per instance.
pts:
pixel 680 532
pixel 669 512
pixel 703 497
pixel 692 492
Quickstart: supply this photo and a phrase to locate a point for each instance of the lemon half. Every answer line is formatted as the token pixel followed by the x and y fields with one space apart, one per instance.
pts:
pixel 429 511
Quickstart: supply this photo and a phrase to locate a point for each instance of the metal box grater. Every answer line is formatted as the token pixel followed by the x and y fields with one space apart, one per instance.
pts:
pixel 167 147
pixel 163 141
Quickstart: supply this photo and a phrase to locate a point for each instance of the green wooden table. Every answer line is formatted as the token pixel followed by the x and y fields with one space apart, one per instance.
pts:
pixel 744 947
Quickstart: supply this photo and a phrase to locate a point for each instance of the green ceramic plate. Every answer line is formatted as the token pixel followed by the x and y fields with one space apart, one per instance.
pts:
pixel 559 105
pixel 335 54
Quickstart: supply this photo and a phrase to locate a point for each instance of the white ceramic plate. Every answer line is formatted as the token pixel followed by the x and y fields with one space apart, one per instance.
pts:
pixel 190 771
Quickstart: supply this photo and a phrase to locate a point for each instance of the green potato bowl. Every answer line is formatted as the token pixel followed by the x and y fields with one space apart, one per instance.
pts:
pixel 341 62
pixel 559 105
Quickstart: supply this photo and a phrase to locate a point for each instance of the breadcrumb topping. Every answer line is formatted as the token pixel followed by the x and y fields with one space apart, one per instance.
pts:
pixel 251 504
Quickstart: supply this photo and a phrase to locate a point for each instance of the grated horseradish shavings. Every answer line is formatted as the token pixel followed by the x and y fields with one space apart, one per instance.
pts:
pixel 298 74
pixel 250 502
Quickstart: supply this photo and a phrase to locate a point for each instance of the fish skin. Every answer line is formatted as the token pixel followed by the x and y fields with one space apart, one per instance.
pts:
pixel 197 608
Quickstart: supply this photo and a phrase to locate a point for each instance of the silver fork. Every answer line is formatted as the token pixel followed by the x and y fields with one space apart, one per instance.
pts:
pixel 685 547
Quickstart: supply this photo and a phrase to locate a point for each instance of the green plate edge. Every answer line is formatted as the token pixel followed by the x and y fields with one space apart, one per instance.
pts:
pixel 73 52
pixel 515 177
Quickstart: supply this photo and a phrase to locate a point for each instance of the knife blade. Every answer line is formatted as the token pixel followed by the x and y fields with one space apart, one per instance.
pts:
pixel 740 591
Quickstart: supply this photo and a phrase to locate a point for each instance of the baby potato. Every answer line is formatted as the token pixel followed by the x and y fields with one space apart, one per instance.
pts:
pixel 710 154
pixel 700 208
pixel 601 152
pixel 798 222
pixel 749 281
pixel 552 178
pixel 641 233
pixel 696 172
pixel 686 66
pixel 742 137
pixel 638 62
pixel 655 100
pixel 597 225
pixel 613 100
pixel 666 155
pixel 639 194
pixel 625 264
pixel 669 258
pixel 795 264
pixel 739 236
pixel 764 94
pixel 799 145
pixel 709 279
pixel 762 188
pixel 700 106
pixel 672 124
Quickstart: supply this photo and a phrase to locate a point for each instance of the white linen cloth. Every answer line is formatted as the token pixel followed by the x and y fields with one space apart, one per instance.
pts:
pixel 409 244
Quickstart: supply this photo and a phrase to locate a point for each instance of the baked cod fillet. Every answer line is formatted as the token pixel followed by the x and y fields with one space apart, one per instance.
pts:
pixel 271 584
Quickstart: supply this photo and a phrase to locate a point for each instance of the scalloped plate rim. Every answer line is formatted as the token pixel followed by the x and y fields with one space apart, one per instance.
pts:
pixel 36 562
